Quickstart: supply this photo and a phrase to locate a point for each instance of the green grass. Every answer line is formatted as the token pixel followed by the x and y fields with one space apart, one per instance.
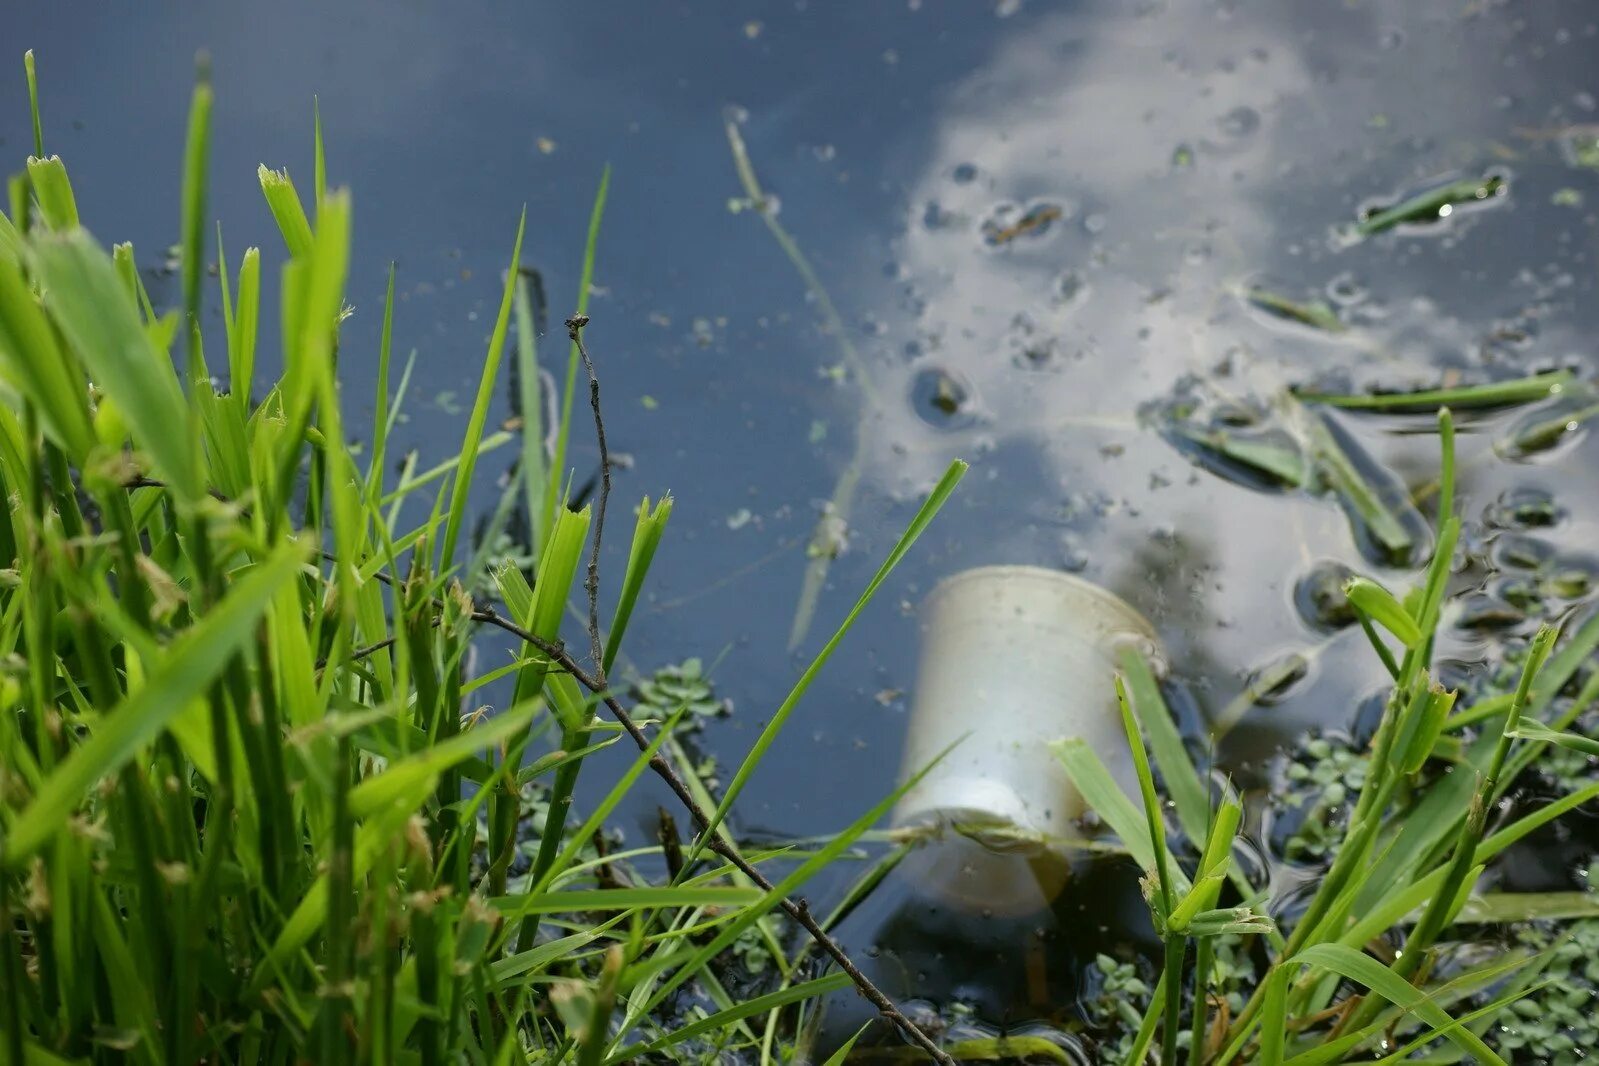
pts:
pixel 250 809
pixel 1404 872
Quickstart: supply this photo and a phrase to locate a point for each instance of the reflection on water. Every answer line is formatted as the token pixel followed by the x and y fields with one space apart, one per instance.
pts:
pixel 1034 227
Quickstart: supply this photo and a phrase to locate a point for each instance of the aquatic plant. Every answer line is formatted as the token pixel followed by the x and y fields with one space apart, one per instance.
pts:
pixel 251 806
pixel 681 686
pixel 1556 1021
pixel 1364 961
pixel 1319 782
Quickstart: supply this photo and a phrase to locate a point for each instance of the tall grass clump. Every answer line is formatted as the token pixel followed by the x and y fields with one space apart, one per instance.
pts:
pixel 1378 958
pixel 251 807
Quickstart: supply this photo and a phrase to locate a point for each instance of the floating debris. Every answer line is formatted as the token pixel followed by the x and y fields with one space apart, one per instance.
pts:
pixel 1521 592
pixel 1241 441
pixel 1272 454
pixel 1513 552
pixel 942 399
pixel 1571 583
pixel 1524 508
pixel 1488 614
pixel 1549 425
pixel 1580 145
pixel 1034 222
pixel 831 536
pixel 1312 313
pixel 1385 521
pixel 1266 686
pixel 1466 397
pixel 1434 205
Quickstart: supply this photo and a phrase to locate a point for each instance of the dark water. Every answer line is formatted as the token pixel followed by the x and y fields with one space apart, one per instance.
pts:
pixel 1036 221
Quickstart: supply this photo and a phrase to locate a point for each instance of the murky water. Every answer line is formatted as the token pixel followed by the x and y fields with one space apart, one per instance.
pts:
pixel 1085 246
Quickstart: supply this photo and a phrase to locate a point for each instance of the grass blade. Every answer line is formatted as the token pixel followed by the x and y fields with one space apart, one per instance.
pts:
pixel 930 508
pixel 193 662
pixel 1466 397
pixel 480 408
pixel 647 533
pixel 821 986
pixel 284 203
pixel 53 191
pixel 1183 781
pixel 91 307
pixel 1364 970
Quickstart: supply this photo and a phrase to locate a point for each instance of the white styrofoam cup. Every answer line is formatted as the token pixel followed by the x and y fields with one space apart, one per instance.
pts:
pixel 1012 658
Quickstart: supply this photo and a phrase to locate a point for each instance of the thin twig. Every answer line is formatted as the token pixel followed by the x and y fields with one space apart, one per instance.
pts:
pixel 574 329
pixel 671 846
pixel 360 653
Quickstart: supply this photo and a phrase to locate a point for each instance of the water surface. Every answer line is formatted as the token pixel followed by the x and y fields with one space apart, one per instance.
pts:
pixel 1038 222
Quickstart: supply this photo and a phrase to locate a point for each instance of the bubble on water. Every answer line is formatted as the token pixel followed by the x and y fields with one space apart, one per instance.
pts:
pixel 935 216
pixel 1239 122
pixel 942 398
pixel 1073 556
pixel 1346 290
pixel 1319 596
pixel 824 153
pixel 1071 288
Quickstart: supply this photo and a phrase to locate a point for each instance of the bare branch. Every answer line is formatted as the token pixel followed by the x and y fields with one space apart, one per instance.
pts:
pixel 574 329
pixel 360 653
pixel 558 655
